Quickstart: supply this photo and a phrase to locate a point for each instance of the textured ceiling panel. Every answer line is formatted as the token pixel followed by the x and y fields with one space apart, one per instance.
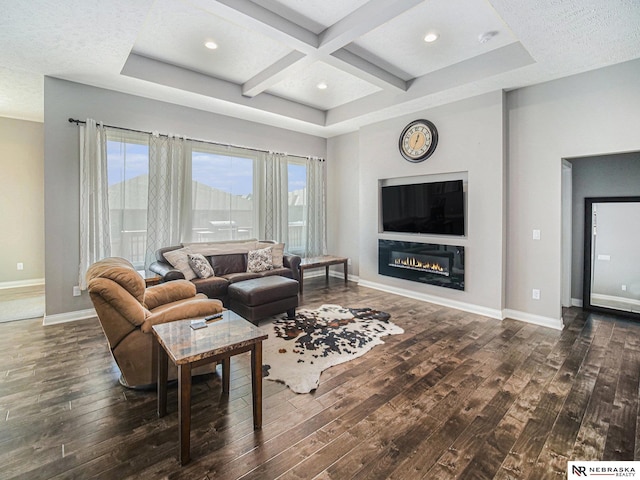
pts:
pixel 316 15
pixel 341 87
pixel 21 95
pixel 58 37
pixel 458 24
pixel 175 33
pixel 575 35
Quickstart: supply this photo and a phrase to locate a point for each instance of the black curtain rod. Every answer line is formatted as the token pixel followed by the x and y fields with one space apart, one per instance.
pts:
pixel 78 122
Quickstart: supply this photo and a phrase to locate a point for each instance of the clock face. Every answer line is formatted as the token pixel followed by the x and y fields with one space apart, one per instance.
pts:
pixel 418 140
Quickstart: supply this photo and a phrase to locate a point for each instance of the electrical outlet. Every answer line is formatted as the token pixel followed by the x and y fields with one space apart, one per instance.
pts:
pixel 349 262
pixel 624 288
pixel 536 234
pixel 535 294
pixel 20 266
pixel 76 291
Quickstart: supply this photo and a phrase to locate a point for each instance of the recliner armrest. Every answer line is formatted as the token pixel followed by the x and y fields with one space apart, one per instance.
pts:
pixel 166 271
pixel 292 262
pixel 168 292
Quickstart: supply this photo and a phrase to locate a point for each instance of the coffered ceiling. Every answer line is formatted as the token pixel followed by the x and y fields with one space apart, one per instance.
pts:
pixel 272 56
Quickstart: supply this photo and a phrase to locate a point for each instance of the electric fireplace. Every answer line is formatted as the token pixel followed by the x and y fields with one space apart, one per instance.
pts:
pixel 441 265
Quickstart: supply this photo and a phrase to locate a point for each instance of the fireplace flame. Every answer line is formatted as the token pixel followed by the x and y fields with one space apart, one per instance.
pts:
pixel 412 262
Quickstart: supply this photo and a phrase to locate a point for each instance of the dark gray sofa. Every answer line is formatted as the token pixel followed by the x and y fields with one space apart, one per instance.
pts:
pixel 228 267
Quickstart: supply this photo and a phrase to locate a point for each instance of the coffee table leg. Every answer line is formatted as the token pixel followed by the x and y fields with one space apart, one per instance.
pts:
pixel 256 381
pixel 326 274
pixel 346 262
pixel 162 379
pixel 226 369
pixel 184 411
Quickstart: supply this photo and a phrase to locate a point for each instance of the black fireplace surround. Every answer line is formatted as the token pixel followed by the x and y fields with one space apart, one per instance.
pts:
pixel 441 265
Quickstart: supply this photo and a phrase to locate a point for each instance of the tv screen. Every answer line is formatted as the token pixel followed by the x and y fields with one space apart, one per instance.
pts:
pixel 432 208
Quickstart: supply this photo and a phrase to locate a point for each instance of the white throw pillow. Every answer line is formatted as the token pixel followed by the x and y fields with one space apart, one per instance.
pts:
pixel 200 265
pixel 259 260
pixel 179 259
pixel 277 252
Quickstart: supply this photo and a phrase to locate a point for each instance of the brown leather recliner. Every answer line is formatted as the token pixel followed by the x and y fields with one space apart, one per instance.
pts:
pixel 127 310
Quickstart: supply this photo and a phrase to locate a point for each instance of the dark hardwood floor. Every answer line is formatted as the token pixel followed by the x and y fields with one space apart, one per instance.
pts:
pixel 457 396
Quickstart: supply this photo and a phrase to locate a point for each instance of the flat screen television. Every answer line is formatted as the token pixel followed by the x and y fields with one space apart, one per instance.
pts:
pixel 429 208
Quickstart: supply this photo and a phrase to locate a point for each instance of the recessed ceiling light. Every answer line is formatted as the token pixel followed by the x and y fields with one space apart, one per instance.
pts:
pixel 486 36
pixel 322 86
pixel 431 37
pixel 211 45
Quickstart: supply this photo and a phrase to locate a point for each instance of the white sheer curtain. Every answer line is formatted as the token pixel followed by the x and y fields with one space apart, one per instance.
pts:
pixel 274 211
pixel 315 208
pixel 169 197
pixel 94 202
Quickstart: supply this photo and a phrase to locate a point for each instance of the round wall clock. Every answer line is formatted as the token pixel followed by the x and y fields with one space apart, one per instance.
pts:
pixel 418 140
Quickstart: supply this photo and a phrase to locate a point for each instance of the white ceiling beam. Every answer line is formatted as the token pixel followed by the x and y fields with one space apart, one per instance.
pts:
pixel 331 41
pixel 308 47
pixel 275 73
pixel 363 20
pixel 476 69
pixel 162 73
pixel 261 20
pixel 359 67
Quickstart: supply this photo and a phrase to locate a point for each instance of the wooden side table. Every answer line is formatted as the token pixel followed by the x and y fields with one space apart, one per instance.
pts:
pixel 151 281
pixel 189 348
pixel 323 261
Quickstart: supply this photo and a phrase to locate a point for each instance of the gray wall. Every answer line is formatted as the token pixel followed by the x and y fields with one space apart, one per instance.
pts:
pixel 343 199
pixel 595 113
pixel 21 201
pixel 601 176
pixel 470 144
pixel 64 99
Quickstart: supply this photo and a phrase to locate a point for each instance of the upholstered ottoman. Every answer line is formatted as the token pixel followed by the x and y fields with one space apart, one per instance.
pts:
pixel 263 297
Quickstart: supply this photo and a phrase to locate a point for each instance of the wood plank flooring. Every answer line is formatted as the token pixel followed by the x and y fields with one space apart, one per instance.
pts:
pixel 457 396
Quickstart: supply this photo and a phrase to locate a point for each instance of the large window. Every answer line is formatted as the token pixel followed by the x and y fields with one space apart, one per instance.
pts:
pixel 226 193
pixel 297 185
pixel 222 196
pixel 128 179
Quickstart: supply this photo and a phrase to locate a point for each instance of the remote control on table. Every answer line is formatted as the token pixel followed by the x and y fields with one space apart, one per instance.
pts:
pixel 213 317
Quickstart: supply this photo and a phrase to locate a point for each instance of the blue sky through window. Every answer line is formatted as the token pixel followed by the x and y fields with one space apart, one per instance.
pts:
pixel 230 174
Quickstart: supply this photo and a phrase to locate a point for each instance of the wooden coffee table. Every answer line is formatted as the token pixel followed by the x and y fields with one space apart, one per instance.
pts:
pixel 188 348
pixel 322 261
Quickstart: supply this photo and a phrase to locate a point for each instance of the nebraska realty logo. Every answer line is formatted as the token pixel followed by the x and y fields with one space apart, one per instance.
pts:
pixel 581 470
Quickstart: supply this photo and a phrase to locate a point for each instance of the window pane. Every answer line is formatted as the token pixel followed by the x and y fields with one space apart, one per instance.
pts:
pixel 297 173
pixel 222 197
pixel 128 178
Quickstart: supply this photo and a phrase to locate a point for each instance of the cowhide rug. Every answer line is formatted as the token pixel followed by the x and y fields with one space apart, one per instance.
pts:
pixel 298 350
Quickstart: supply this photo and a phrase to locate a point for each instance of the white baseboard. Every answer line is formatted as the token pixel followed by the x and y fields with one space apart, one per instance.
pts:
pixel 69 316
pixel 614 298
pixel 576 302
pixel 22 283
pixel 535 319
pixel 332 273
pixel 466 307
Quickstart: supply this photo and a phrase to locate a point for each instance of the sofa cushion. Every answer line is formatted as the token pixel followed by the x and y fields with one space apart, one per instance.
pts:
pixel 259 260
pixel 179 259
pixel 200 265
pixel 208 249
pixel 241 276
pixel 277 252
pixel 231 263
pixel 212 287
